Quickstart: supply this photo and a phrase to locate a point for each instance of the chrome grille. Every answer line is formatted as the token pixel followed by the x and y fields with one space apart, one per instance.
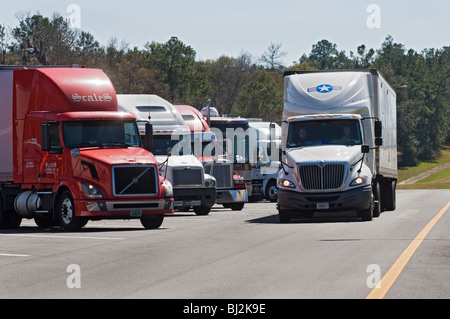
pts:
pixel 187 176
pixel 135 180
pixel 222 173
pixel 321 177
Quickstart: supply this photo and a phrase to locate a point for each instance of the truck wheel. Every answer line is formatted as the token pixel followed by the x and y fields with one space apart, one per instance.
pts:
pixel 376 189
pixel 283 215
pixel 366 214
pixel 236 206
pixel 389 195
pixel 8 219
pixel 202 210
pixel 271 191
pixel 43 222
pixel 66 213
pixel 152 222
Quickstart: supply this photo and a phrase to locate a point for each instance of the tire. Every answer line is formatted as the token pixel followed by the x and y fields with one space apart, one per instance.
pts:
pixel 152 222
pixel 283 215
pixel 376 190
pixel 66 213
pixel 366 214
pixel 44 223
pixel 237 206
pixel 389 201
pixel 8 219
pixel 271 191
pixel 202 210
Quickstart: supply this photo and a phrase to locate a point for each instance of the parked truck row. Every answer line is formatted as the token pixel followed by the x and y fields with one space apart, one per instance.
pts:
pixel 73 151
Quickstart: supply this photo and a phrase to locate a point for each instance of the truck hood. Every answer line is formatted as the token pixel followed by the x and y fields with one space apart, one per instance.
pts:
pixel 325 153
pixel 117 156
pixel 180 161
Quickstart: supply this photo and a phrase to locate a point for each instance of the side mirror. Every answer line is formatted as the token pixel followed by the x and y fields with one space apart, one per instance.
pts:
pixel 378 141
pixel 378 129
pixel 365 149
pixel 148 136
pixel 272 131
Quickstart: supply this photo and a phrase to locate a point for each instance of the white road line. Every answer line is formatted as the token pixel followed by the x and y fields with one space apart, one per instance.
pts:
pixel 14 255
pixel 56 236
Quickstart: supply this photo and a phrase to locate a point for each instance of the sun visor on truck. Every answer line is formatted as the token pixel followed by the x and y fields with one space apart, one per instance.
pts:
pixel 63 90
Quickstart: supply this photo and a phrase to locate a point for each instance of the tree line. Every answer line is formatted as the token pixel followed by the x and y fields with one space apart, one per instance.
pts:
pixel 245 85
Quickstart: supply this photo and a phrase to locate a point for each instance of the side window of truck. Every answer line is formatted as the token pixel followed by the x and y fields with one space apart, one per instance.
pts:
pixel 55 142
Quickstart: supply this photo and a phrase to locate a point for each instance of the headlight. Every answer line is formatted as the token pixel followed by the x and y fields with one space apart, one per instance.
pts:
pixel 210 181
pixel 286 183
pixel 91 191
pixel 167 187
pixel 359 181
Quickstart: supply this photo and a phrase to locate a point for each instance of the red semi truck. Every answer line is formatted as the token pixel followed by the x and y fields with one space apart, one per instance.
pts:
pixel 68 155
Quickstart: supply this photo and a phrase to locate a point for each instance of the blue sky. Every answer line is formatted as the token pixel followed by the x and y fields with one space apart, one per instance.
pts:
pixel 231 27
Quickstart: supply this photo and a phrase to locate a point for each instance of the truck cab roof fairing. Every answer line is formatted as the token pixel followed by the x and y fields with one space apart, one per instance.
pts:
pixel 63 90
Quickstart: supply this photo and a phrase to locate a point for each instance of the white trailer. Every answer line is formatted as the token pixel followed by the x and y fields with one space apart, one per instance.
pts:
pixel 324 169
pixel 172 149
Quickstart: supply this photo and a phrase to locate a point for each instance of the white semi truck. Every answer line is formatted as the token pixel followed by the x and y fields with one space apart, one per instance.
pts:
pixel 192 187
pixel 265 169
pixel 339 144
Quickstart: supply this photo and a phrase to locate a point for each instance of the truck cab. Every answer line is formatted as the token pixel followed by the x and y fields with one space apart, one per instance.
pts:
pixel 231 188
pixel 233 140
pixel 192 187
pixel 339 150
pixel 265 169
pixel 70 156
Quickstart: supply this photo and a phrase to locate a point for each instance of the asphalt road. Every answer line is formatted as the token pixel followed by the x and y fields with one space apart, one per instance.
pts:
pixel 230 254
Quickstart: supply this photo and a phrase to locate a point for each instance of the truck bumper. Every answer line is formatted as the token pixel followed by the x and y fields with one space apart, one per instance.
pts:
pixel 194 197
pixel 225 196
pixel 126 209
pixel 352 200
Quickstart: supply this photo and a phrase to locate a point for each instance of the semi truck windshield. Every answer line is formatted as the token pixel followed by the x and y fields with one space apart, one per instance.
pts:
pixel 100 133
pixel 324 132
pixel 162 144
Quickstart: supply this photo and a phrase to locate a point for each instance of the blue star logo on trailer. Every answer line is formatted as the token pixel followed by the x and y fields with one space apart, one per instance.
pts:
pixel 325 88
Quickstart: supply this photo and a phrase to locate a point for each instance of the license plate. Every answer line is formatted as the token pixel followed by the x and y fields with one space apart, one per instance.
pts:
pixel 322 205
pixel 136 213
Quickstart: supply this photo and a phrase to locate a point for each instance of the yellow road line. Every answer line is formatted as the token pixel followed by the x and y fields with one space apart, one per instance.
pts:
pixel 392 274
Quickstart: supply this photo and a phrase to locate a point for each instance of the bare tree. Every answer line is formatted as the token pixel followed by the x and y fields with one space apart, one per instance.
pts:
pixel 271 57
